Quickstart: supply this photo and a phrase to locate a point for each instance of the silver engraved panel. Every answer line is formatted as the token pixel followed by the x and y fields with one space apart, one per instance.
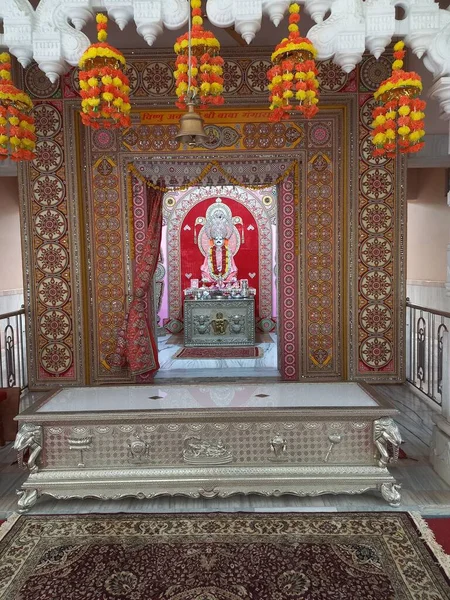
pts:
pixel 219 322
pixel 305 442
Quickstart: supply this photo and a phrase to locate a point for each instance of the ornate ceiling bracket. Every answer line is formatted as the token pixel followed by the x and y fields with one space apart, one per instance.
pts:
pixel 341 35
pixel 245 15
pixel 354 25
pixel 441 91
pixel 52 34
pixel 18 22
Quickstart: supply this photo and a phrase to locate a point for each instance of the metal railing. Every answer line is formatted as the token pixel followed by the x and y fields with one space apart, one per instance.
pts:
pixel 13 362
pixel 427 333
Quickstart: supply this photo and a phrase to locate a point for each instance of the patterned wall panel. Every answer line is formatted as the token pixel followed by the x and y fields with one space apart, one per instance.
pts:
pixel 380 291
pixel 50 271
pixel 371 211
pixel 289 331
pixel 322 261
pixel 108 227
pixel 245 77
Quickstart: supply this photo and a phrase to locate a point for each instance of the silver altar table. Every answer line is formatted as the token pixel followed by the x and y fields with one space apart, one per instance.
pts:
pixel 209 440
pixel 219 322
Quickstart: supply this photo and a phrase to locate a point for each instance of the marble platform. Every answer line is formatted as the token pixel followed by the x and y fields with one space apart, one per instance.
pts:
pixel 208 441
pixel 157 398
pixel 423 491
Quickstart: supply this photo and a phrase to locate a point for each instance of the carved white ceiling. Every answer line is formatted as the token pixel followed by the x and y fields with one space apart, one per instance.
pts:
pixel 52 33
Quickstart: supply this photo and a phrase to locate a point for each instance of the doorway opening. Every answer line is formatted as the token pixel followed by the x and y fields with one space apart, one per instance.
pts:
pixel 215 290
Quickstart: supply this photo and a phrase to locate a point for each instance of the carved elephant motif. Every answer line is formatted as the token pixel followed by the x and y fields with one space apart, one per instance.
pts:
pixel 29 438
pixel 386 432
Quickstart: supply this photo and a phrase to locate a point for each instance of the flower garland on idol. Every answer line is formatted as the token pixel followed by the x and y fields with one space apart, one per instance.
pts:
pixel 212 260
pixel 104 85
pixel 398 120
pixel 293 78
pixel 17 137
pixel 206 65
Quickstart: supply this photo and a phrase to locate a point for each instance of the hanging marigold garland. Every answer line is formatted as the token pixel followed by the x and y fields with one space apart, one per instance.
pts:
pixel 293 78
pixel 398 121
pixel 206 64
pixel 104 85
pixel 17 137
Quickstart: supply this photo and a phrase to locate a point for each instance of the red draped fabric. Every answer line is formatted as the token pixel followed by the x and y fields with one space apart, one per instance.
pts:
pixel 137 345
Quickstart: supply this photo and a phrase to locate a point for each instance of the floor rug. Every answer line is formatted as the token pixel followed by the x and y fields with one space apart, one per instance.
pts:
pixel 440 526
pixel 217 353
pixel 310 556
pixel 177 339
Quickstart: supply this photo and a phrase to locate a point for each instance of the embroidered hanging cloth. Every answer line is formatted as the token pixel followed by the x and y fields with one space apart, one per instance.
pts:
pixel 185 173
pixel 137 346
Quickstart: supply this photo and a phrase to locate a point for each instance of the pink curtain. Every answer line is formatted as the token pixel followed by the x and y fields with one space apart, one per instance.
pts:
pixel 137 346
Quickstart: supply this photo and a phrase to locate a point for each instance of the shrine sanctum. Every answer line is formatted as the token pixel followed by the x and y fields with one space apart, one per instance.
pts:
pixel 215 192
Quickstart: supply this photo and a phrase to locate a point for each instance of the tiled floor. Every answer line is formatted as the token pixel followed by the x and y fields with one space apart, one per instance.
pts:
pixel 171 367
pixel 422 490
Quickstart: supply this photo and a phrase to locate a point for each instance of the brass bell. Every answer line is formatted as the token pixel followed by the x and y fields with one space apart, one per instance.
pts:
pixel 191 128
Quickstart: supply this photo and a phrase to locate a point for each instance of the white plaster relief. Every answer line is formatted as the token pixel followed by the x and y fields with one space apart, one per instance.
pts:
pixel 441 91
pixel 120 11
pixel 18 19
pixel 318 9
pixel 52 34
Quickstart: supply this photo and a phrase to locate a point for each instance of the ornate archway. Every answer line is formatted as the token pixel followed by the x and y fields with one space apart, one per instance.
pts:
pixel 80 179
pixel 287 177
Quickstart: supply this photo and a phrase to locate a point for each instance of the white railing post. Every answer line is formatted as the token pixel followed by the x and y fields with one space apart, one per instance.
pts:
pixel 447 283
pixel 408 342
pixel 446 375
pixel 440 441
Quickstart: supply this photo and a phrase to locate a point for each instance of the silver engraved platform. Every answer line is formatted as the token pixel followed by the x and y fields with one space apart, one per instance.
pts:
pixel 208 440
pixel 219 322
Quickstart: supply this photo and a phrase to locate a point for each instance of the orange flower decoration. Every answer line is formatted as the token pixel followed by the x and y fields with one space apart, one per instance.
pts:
pixel 399 120
pixel 206 66
pixel 104 85
pixel 293 78
pixel 17 137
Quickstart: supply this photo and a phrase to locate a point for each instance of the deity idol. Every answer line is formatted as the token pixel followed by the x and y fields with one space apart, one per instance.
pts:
pixel 219 266
pixel 219 241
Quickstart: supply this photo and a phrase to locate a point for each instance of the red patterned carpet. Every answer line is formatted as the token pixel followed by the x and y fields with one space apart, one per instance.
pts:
pixel 440 526
pixel 203 353
pixel 354 556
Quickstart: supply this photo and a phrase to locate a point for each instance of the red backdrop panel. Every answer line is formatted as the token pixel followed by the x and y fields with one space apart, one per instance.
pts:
pixel 247 257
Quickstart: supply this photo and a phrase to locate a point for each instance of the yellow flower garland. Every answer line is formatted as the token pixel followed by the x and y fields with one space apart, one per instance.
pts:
pixel 17 131
pixel 104 86
pixel 398 120
pixel 205 68
pixel 294 74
